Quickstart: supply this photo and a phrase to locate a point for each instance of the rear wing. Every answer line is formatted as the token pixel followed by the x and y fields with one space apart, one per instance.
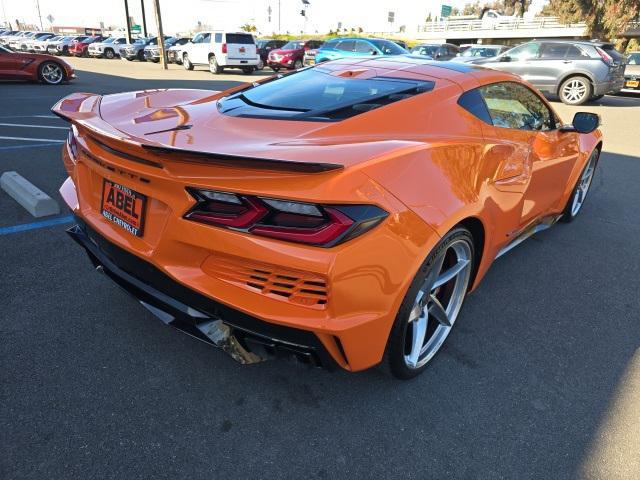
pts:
pixel 83 109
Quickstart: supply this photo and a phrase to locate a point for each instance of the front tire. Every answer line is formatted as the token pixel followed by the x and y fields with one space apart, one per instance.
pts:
pixel 297 65
pixel 51 73
pixel 186 63
pixel 575 91
pixel 109 54
pixel 580 191
pixel 431 305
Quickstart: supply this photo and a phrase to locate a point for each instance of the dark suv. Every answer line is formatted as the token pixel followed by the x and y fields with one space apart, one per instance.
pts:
pixel 576 71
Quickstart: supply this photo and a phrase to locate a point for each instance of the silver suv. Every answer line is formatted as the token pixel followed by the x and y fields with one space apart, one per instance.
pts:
pixel 576 71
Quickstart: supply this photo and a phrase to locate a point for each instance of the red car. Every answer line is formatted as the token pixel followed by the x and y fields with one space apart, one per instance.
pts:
pixel 80 49
pixel 291 55
pixel 34 66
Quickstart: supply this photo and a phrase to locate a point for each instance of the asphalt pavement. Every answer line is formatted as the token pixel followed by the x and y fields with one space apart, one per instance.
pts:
pixel 539 378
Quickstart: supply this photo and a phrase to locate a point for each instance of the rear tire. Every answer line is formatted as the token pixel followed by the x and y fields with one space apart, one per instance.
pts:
pixel 575 90
pixel 260 65
pixel 213 65
pixel 275 69
pixel 581 190
pixel 247 70
pixel 431 305
pixel 140 56
pixel 186 63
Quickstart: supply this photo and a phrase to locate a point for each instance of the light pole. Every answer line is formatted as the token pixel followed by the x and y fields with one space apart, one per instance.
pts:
pixel 39 16
pixel 163 53
pixel 126 12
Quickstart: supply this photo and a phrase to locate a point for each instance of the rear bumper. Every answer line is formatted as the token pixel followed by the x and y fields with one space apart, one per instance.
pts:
pixel 188 310
pixel 609 87
pixel 241 62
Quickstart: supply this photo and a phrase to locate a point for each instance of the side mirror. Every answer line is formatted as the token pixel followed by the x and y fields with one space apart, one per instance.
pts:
pixel 505 58
pixel 583 122
pixel 373 52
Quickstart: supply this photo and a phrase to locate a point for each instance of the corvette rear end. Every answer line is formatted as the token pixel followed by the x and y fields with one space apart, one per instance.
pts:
pixel 247 239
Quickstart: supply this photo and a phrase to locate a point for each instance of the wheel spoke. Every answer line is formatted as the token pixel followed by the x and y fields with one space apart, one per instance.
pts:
pixel 446 276
pixel 431 279
pixel 419 330
pixel 436 310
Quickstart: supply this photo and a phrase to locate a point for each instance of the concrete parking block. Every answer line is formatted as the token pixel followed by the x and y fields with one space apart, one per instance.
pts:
pixel 34 200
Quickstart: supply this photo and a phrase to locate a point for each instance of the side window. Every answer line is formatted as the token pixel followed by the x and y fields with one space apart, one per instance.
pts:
pixel 553 51
pixel 206 38
pixel 197 38
pixel 473 103
pixel 218 38
pixel 524 52
pixel 331 44
pixel 363 47
pixel 575 53
pixel 512 105
pixel 346 45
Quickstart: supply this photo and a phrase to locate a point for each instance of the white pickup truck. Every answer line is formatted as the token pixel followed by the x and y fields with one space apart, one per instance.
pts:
pixel 221 50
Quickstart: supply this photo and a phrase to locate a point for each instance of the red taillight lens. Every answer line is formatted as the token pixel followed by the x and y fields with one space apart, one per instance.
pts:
pixel 606 58
pixel 298 222
pixel 224 48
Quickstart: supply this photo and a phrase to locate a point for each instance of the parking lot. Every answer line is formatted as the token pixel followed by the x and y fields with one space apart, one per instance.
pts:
pixel 539 379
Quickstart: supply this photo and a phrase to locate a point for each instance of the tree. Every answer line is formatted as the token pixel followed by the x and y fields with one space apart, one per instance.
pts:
pixel 605 19
pixel 248 27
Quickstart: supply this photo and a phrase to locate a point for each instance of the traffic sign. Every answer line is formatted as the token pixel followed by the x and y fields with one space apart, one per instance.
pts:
pixel 136 29
pixel 445 11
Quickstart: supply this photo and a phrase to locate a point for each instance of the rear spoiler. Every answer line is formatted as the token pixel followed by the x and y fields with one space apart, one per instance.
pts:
pixel 83 109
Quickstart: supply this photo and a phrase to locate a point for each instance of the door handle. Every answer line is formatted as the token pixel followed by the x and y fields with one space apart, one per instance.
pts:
pixel 567 61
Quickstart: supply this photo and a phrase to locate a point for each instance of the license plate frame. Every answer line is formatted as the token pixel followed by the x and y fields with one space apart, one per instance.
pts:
pixel 632 83
pixel 128 210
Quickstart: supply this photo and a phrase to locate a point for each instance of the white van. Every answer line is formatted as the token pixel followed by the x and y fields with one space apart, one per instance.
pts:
pixel 221 50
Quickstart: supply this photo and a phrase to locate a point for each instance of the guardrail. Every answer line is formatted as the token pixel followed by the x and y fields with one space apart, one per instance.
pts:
pixel 516 23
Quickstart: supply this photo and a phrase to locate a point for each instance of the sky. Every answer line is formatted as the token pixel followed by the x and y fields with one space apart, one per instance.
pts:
pixel 184 15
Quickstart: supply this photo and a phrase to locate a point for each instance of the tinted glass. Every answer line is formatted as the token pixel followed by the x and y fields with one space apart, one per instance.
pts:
pixel 241 38
pixel 4 50
pixel 388 47
pixel 634 59
pixel 473 102
pixel 315 89
pixel 218 38
pixel 346 45
pixel 554 51
pixel 363 47
pixel 294 45
pixel 512 105
pixel 575 53
pixel 331 44
pixel 524 52
pixel 481 52
pixel 430 50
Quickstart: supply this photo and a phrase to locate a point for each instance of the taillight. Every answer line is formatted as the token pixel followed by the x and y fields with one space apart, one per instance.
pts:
pixel 606 58
pixel 311 224
pixel 72 141
pixel 224 48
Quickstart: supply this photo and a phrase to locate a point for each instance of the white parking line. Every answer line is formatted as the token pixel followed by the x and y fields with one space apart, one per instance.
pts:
pixel 30 116
pixel 31 126
pixel 33 139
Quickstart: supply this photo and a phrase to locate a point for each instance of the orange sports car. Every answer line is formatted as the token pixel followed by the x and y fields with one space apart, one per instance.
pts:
pixel 339 213
pixel 35 67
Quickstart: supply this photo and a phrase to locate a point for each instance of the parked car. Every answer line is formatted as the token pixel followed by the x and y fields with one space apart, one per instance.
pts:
pixel 174 53
pixel 15 42
pixel 324 215
pixel 6 36
pixel 632 73
pixel 437 51
pixel 27 46
pixel 40 46
pixel 291 54
pixel 356 47
pixel 62 47
pixel 34 67
pixel 108 48
pixel 81 47
pixel 309 57
pixel 402 43
pixel 152 52
pixel 477 52
pixel 220 50
pixel 135 50
pixel 264 46
pixel 576 71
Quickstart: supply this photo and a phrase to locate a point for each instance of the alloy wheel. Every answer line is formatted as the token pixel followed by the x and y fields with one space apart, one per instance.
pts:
pixel 51 73
pixel 437 304
pixel 583 186
pixel 575 90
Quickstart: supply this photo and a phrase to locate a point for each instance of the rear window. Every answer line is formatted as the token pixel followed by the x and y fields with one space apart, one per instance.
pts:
pixel 314 94
pixel 239 38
